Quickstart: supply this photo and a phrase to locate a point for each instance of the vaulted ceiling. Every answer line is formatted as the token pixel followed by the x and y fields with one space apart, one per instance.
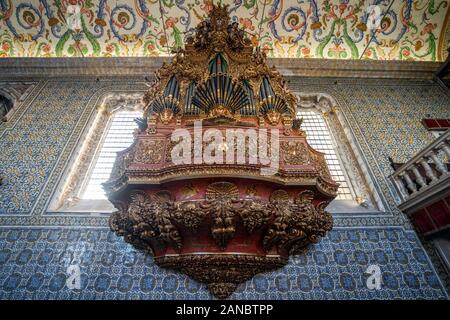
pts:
pixel 335 29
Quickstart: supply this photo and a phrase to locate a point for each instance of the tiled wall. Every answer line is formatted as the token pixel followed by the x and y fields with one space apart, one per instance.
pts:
pixel 36 247
pixel 35 260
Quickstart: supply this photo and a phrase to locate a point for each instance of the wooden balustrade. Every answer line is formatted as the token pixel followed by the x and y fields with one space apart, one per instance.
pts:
pixel 424 170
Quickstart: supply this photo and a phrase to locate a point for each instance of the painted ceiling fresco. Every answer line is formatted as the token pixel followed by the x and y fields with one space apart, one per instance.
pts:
pixel 334 29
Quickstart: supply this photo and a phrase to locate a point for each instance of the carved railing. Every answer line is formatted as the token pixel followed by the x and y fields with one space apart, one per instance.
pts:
pixel 424 171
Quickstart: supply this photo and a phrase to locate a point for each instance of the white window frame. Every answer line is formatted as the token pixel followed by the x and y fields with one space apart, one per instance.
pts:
pixel 366 199
pixel 350 195
pixel 67 198
pixel 100 147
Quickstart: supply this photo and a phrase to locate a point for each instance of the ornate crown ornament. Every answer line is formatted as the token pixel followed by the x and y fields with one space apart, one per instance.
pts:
pixel 220 222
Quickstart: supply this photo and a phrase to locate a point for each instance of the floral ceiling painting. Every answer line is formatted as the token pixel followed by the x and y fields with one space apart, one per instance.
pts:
pixel 333 29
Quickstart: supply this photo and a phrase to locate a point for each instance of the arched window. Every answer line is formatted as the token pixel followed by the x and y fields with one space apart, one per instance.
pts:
pixel 118 136
pixel 319 137
pixel 325 131
pixel 110 131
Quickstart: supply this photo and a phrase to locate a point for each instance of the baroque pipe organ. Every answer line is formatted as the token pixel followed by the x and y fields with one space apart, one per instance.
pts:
pixel 220 210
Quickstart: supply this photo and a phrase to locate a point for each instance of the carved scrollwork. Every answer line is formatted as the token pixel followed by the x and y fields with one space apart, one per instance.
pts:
pixel 279 195
pixel 296 223
pixel 151 93
pixel 190 214
pixel 278 232
pixel 183 68
pixel 168 233
pixel 219 35
pixel 221 196
pixel 222 273
pixel 294 153
pixel 254 215
pixel 305 197
pixel 121 162
pixel 145 219
pixel 126 220
pixel 318 159
pixel 149 151
pixel 289 225
pixel 292 222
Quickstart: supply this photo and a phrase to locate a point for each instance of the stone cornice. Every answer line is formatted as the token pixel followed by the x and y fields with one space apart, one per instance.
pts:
pixel 38 68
